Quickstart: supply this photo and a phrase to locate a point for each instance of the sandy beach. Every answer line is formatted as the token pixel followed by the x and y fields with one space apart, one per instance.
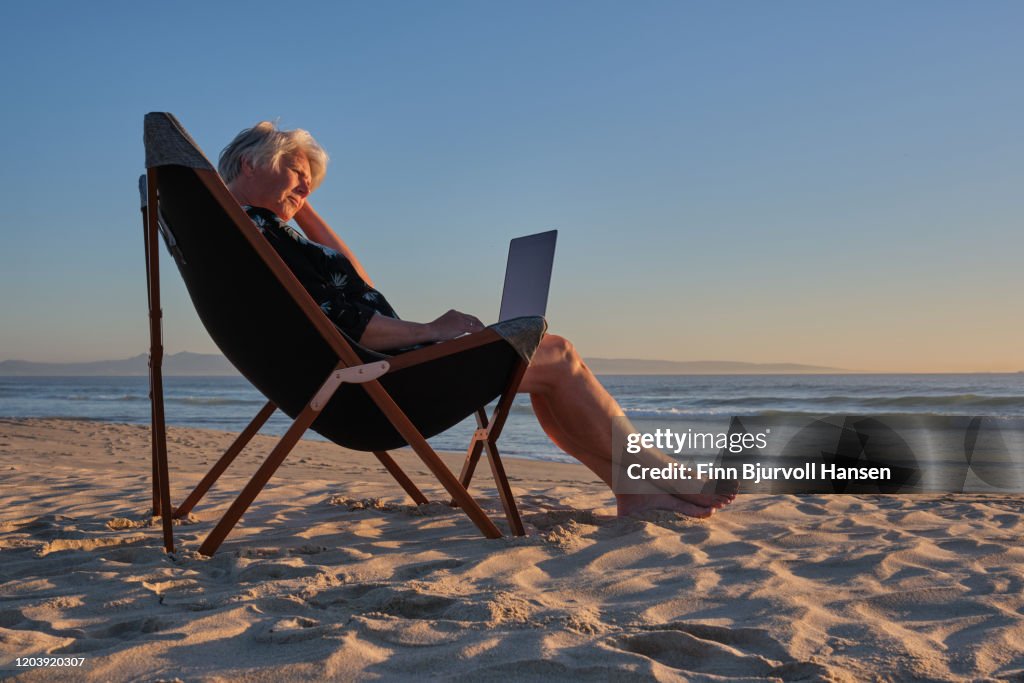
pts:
pixel 332 574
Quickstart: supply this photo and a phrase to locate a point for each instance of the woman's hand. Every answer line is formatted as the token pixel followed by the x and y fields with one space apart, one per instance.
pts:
pixel 453 324
pixel 383 333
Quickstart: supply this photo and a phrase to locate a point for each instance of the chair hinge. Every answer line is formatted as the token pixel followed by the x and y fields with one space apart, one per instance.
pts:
pixel 353 375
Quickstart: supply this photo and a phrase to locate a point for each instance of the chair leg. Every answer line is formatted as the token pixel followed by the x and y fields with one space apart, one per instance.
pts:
pixel 225 460
pixel 508 501
pixel 400 476
pixel 166 509
pixel 258 481
pixel 415 439
pixel 494 427
pixel 486 436
pixel 155 476
pixel 161 477
pixel 474 450
pixel 340 374
pixel 482 439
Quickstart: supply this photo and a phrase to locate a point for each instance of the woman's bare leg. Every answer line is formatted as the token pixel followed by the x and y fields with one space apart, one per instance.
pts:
pixel 626 503
pixel 576 412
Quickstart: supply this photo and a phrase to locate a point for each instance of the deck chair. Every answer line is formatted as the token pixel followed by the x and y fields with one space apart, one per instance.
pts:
pixel 273 332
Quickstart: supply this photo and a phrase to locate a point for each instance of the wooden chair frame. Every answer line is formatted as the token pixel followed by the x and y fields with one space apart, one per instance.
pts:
pixel 350 368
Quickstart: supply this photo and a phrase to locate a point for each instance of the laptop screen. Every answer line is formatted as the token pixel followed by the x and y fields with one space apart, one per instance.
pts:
pixel 528 275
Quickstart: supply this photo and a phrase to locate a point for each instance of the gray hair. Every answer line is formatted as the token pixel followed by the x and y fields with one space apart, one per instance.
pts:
pixel 264 146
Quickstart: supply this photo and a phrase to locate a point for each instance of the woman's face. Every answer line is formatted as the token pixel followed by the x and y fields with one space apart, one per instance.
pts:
pixel 282 190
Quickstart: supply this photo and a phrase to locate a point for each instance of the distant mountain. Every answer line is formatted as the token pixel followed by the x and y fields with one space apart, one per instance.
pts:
pixel 633 366
pixel 186 363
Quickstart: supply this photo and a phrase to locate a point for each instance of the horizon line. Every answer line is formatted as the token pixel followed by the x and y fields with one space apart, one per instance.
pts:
pixel 812 369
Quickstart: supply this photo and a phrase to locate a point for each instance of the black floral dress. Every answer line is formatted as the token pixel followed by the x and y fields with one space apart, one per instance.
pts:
pixel 327 275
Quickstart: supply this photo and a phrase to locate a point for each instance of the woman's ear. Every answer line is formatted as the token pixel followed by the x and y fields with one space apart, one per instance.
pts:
pixel 247 168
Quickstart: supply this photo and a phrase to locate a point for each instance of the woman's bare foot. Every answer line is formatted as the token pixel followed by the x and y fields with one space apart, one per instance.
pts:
pixel 631 504
pixel 720 492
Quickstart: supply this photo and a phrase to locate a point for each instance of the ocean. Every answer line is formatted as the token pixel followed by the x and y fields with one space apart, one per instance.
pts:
pixel 676 402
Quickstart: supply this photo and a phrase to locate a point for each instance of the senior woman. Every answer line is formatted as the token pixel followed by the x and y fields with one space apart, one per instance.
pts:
pixel 272 172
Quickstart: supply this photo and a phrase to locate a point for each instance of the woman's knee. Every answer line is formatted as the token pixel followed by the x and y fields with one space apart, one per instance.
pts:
pixel 561 351
pixel 555 362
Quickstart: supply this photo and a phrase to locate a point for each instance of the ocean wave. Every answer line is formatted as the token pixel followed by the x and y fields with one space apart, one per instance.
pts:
pixel 107 397
pixel 655 413
pixel 215 401
pixel 810 414
pixel 972 400
pixel 940 405
pixel 179 400
pixel 930 401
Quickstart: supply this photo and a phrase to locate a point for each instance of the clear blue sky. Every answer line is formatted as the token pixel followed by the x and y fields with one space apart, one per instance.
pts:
pixel 834 183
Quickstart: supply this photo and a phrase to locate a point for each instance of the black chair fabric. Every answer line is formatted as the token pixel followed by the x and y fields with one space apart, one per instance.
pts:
pixel 267 337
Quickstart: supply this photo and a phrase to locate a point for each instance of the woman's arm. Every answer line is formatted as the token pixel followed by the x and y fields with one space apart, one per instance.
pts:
pixel 384 333
pixel 317 230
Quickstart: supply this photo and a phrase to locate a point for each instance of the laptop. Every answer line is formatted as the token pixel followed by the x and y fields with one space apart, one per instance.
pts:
pixel 528 275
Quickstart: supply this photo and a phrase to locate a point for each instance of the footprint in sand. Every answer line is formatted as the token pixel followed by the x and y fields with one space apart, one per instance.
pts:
pixel 812 509
pixel 133 628
pixel 9 618
pixel 422 569
pixel 408 604
pixel 967 546
pixel 343 596
pixel 136 556
pixel 1003 583
pixel 49 527
pixel 718 651
pixel 275 571
pixel 291 630
pixel 114 635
